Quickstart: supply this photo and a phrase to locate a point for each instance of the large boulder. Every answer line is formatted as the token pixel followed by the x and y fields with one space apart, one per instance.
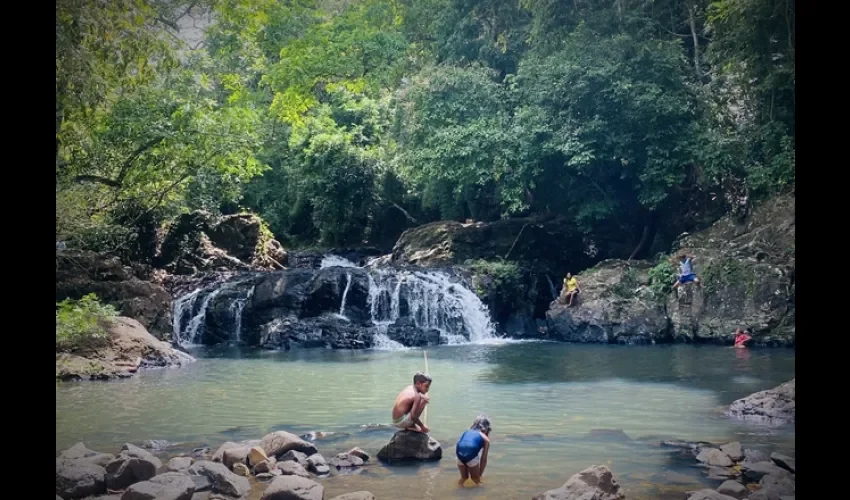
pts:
pixel 80 273
pixel 223 480
pixel 714 457
pixel 773 406
pixel 596 482
pixel 168 486
pixel 747 269
pixel 129 347
pixel 245 237
pixel 294 488
pixel 733 489
pixel 277 443
pixel 78 479
pixel 291 468
pixel 80 452
pixel 410 445
pixel 125 471
pixel 615 306
pixel 179 464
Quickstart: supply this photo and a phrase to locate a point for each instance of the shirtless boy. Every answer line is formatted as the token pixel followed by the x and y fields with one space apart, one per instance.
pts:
pixel 410 403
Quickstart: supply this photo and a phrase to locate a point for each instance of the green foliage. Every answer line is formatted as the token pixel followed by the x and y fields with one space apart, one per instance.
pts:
pixel 661 278
pixel 82 324
pixel 504 283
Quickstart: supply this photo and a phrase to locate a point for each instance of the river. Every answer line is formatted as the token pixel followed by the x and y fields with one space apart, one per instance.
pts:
pixel 543 399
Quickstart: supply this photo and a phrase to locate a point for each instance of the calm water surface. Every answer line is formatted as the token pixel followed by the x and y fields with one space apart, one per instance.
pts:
pixel 543 400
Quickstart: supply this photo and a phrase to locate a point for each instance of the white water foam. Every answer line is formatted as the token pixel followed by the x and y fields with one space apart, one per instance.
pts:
pixel 345 294
pixel 336 261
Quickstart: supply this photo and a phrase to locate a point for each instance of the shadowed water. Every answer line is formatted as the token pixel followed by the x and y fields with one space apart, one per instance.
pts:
pixel 543 400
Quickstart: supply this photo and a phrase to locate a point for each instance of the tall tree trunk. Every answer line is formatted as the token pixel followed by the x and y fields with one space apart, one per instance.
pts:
pixel 649 230
pixel 692 21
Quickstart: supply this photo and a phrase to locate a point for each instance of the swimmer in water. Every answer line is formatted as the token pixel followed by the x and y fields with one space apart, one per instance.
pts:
pixel 471 450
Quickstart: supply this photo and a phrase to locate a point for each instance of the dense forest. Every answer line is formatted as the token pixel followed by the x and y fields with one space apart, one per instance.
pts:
pixel 344 122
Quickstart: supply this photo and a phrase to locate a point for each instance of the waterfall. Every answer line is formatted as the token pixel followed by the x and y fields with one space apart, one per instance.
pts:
pixel 336 261
pixel 552 287
pixel 236 309
pixel 345 294
pixel 192 334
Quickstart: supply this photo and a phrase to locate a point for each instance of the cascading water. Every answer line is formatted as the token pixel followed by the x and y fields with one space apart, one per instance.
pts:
pixel 236 309
pixel 552 287
pixel 188 304
pixel 336 261
pixel 345 294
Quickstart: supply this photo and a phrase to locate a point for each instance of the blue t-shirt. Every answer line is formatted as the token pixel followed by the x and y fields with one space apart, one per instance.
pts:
pixel 469 445
pixel 686 267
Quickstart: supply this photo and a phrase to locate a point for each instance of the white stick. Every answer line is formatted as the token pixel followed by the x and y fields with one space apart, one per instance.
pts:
pixel 426 373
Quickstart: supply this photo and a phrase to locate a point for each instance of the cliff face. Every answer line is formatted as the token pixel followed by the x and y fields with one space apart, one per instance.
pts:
pixel 747 268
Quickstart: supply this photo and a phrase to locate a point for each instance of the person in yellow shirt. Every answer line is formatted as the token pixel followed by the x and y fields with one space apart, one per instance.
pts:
pixel 571 288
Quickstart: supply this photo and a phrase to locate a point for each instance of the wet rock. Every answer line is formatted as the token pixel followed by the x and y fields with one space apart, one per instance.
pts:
pixel 733 450
pixel 607 435
pixel 784 461
pixel 754 472
pixel 80 452
pixel 708 494
pixel 293 488
pixel 78 479
pixel 596 482
pixel 733 489
pixel 266 465
pixel 256 455
pixel 290 468
pixel 686 445
pixel 124 471
pixel 774 406
pixel 409 445
pixel 713 456
pixel 233 456
pixel 280 442
pixel 219 453
pixel 316 463
pixel 241 469
pixel 131 450
pixel 265 477
pixel 344 460
pixel 752 456
pixel 294 456
pixel 223 480
pixel 722 473
pixel 155 444
pixel 202 453
pixel 357 495
pixel 179 464
pixel 202 483
pixel 167 486
pixel 357 452
pixel 774 487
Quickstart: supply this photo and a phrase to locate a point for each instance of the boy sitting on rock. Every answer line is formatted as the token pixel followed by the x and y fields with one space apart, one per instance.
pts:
pixel 410 403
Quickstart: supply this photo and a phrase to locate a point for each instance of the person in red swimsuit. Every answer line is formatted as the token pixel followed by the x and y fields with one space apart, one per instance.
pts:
pixel 741 338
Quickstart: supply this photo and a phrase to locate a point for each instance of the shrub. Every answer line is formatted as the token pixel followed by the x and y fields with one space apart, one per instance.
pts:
pixel 81 324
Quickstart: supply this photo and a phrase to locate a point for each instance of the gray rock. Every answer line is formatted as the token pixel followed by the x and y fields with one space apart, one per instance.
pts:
pixel 316 463
pixel 734 450
pixel 179 464
pixel 223 480
pixel 754 472
pixel 343 460
pixel 713 456
pixel 293 488
pixel 265 477
pixel 754 456
pixel 357 495
pixel 266 465
pixel 80 452
pixel 733 489
pixel 295 456
pixel 774 406
pixel 722 473
pixel 58 497
pixel 280 442
pixel 290 468
pixel 241 469
pixel 202 483
pixel 131 450
pixel 78 478
pixel 784 461
pixel 155 444
pixel 357 452
pixel 124 471
pixel 596 483
pixel 219 453
pixel 233 456
pixel 774 487
pixel 409 445
pixel 168 486
pixel 708 494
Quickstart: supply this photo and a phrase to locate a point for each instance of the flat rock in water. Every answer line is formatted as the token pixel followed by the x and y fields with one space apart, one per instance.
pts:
pixel 290 468
pixel 278 443
pixel 343 460
pixel 155 444
pixel 713 456
pixel 708 494
pixel 410 445
pixel 774 406
pixel 256 455
pixel 357 452
pixel 168 486
pixel 774 487
pixel 733 489
pixel 607 435
pixel 131 450
pixel 687 445
pixel 784 461
pixel 78 479
pixel 124 471
pixel 79 451
pixel 294 456
pixel 233 456
pixel 596 482
pixel 734 450
pixel 754 472
pixel 357 495
pixel 179 464
pixel 722 472
pixel 223 480
pixel 316 463
pixel 294 488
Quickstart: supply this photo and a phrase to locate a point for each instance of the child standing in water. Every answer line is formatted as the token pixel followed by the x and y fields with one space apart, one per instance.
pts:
pixel 471 450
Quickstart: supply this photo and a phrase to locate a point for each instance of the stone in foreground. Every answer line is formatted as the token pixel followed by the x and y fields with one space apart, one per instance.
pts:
pixel 784 461
pixel 733 489
pixel 168 486
pixel 357 495
pixel 222 479
pixel 294 488
pixel 713 456
pixel 708 494
pixel 78 479
pixel 410 445
pixel 280 442
pixel 596 482
pixel 774 406
pixel 124 471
